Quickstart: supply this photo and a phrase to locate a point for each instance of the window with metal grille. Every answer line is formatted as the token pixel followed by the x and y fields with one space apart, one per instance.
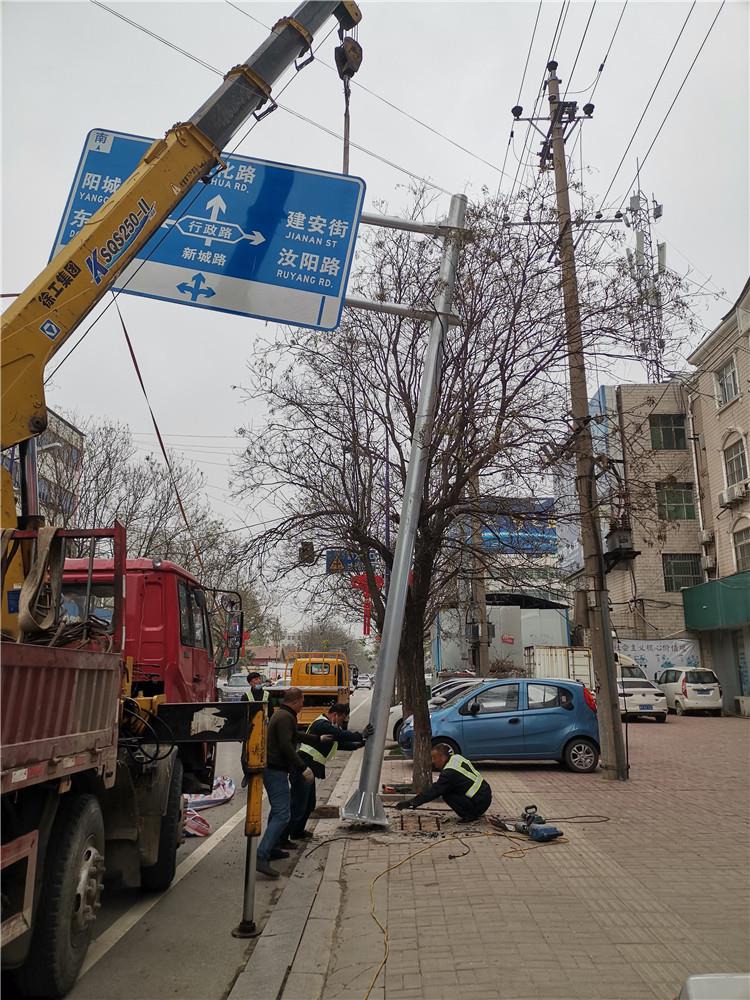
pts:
pixel 727 383
pixel 668 431
pixel 735 462
pixel 675 501
pixel 742 549
pixel 681 569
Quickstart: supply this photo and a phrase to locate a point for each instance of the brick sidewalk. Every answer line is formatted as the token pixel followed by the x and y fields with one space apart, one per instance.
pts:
pixel 626 909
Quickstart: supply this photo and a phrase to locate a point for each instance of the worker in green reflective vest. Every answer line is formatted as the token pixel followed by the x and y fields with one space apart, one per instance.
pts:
pixel 303 794
pixel 460 786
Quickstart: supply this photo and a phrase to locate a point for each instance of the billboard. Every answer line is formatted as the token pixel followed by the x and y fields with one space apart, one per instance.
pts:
pixel 526 526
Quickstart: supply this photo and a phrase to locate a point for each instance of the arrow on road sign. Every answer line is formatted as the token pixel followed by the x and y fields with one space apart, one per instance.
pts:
pixel 216 206
pixel 196 289
pixel 195 227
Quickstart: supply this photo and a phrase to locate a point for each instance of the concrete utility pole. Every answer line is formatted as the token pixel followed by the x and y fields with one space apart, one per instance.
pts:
pixel 610 726
pixel 365 804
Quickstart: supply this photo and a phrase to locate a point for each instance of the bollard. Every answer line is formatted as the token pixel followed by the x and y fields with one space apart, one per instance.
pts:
pixel 256 759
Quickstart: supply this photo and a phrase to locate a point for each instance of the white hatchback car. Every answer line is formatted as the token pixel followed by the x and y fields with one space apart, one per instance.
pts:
pixel 641 697
pixel 691 691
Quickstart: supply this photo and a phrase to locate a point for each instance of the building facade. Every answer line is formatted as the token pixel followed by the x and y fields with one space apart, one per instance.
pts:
pixel 658 497
pixel 719 410
pixel 647 483
pixel 59 465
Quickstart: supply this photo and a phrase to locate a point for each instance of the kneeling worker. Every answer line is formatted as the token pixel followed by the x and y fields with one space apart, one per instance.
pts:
pixel 460 786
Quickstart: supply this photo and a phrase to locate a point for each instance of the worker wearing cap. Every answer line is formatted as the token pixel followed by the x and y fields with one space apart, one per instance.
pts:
pixel 460 786
pixel 330 725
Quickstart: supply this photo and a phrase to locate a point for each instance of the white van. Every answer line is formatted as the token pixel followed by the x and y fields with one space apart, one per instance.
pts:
pixel 696 690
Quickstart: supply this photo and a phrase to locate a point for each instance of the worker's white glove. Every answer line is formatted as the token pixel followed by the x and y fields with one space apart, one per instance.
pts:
pixel 308 775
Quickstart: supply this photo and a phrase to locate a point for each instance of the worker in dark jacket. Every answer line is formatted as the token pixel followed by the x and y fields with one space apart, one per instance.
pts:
pixel 331 725
pixel 282 760
pixel 460 786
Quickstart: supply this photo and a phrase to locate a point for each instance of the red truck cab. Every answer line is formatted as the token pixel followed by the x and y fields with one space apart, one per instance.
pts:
pixel 167 628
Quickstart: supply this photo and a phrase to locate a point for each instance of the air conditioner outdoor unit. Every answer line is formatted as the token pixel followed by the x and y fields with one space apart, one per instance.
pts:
pixel 707 536
pixel 733 495
pixel 708 562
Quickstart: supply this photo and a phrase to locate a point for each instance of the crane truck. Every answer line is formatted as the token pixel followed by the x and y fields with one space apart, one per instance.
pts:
pixel 96 751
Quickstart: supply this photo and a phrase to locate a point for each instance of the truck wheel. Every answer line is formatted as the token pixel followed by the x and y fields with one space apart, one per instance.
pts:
pixel 69 900
pixel 158 877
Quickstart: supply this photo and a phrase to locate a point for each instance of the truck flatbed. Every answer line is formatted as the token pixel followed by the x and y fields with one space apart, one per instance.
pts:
pixel 58 713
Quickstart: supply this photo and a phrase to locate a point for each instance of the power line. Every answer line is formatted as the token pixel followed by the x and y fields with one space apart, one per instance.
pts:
pixel 555 38
pixel 679 91
pixel 599 72
pixel 664 119
pixel 609 49
pixel 580 46
pixel 520 90
pixel 402 111
pixel 291 111
pixel 159 437
pixel 648 102
pixel 156 37
pixel 166 435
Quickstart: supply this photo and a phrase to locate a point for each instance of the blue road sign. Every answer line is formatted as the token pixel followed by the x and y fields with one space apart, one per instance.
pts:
pixel 262 239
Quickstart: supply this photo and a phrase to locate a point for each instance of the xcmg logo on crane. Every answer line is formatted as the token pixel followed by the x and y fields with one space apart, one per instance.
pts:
pixel 101 259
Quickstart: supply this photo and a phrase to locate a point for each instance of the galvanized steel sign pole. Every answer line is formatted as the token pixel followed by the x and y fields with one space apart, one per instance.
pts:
pixel 365 805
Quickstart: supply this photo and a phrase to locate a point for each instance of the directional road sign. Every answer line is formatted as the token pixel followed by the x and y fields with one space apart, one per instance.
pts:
pixel 262 239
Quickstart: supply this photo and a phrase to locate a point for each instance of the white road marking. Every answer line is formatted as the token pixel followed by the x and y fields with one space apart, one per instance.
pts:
pixel 361 712
pixel 120 928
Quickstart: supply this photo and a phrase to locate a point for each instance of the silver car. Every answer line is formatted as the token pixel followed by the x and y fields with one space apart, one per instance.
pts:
pixel 233 688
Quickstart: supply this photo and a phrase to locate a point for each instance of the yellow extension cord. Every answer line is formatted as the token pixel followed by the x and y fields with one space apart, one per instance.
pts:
pixel 519 851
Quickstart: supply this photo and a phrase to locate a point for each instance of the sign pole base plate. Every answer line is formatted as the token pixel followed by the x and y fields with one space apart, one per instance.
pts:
pixel 246 929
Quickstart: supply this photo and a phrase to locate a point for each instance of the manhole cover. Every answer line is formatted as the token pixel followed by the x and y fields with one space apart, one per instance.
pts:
pixel 419 824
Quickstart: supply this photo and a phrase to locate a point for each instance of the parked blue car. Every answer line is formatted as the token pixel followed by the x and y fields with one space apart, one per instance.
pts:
pixel 539 719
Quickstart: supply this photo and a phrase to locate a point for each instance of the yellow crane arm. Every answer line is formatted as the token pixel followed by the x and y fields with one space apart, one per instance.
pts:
pixel 49 310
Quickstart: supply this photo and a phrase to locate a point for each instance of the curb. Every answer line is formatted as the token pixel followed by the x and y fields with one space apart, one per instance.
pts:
pixel 283 964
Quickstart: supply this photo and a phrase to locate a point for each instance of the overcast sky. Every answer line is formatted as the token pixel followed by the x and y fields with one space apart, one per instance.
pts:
pixel 71 67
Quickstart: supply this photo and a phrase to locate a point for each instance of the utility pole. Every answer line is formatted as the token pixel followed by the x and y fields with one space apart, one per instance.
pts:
pixel 610 726
pixel 481 644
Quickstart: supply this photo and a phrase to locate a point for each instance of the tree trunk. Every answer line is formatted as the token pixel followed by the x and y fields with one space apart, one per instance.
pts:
pixel 415 696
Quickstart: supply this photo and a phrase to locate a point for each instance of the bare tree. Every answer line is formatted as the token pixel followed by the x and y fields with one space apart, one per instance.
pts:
pixel 110 481
pixel 342 406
